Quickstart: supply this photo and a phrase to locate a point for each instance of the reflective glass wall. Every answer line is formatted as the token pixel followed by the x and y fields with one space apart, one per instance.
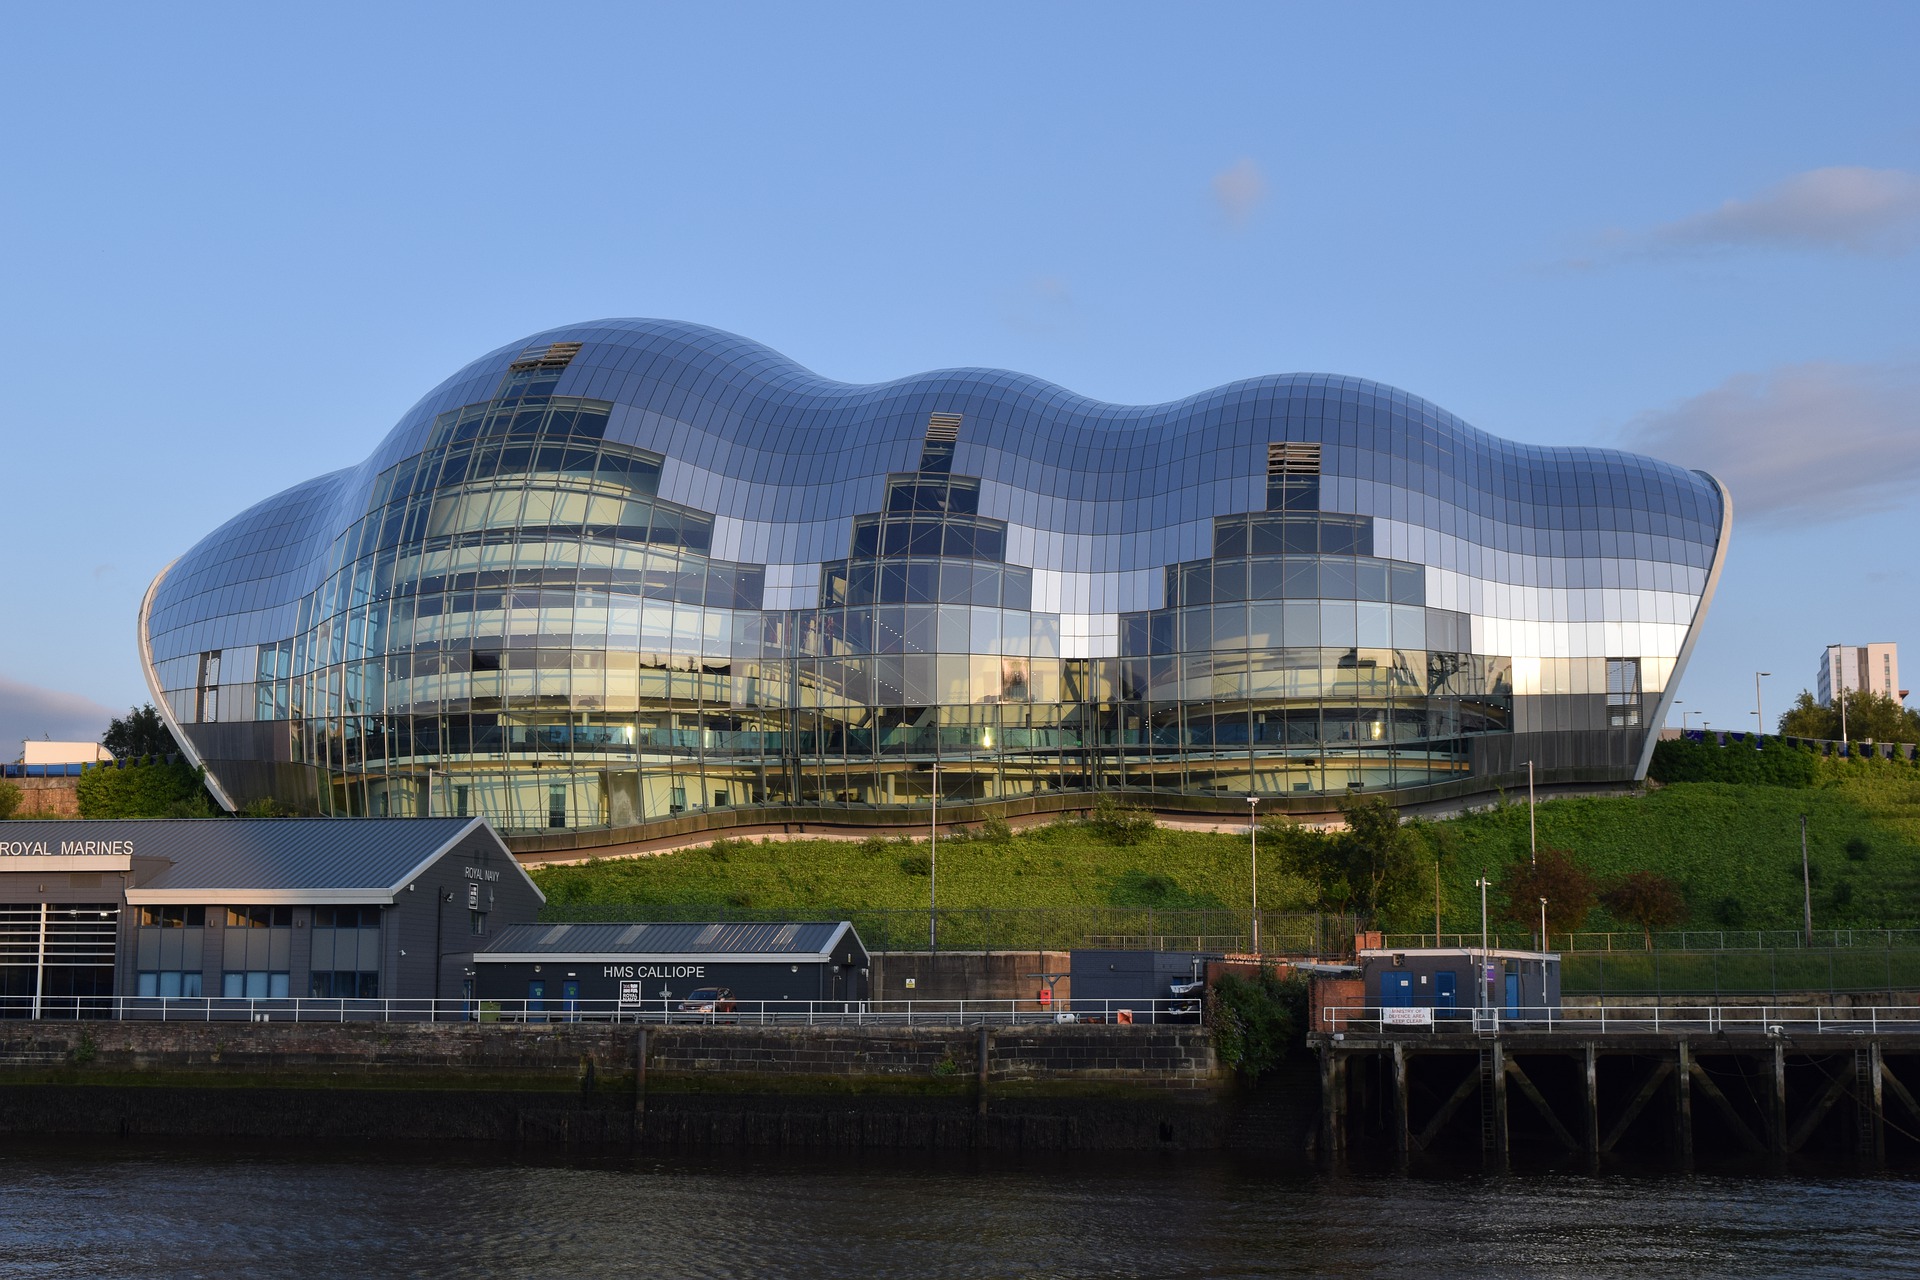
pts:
pixel 635 569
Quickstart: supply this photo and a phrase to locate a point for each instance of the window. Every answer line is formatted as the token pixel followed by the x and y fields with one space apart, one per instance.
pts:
pixel 477 923
pixel 1623 693
pixel 259 917
pixel 346 984
pixel 170 984
pixel 557 805
pixel 173 917
pixel 253 984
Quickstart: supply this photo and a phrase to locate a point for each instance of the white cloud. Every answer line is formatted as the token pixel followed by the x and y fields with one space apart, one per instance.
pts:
pixel 1801 444
pixel 1852 209
pixel 1240 190
pixel 28 711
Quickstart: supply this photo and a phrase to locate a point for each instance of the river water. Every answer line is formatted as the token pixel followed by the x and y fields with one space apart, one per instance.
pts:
pixel 123 1209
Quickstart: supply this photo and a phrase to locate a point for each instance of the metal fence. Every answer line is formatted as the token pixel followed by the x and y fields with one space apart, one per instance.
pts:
pixel 1667 940
pixel 1621 1019
pixel 1020 928
pixel 682 1012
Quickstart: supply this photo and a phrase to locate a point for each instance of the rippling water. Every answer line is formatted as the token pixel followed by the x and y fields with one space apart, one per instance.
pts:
pixel 87 1209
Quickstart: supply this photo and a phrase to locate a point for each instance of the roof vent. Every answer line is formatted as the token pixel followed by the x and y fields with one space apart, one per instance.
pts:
pixel 557 356
pixel 1293 460
pixel 943 428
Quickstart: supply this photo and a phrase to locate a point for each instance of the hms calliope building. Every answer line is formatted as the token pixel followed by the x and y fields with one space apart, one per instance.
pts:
pixel 634 576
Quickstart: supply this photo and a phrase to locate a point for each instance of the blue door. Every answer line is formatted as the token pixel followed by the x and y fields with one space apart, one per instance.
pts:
pixel 1446 989
pixel 570 997
pixel 536 996
pixel 1513 995
pixel 1396 990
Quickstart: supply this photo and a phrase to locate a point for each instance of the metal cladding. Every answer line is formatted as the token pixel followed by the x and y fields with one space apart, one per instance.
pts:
pixel 631 569
pixel 815 940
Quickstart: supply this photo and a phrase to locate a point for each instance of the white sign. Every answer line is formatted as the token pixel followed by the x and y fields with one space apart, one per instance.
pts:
pixel 1406 1017
pixel 654 971
pixel 67 849
pixel 630 993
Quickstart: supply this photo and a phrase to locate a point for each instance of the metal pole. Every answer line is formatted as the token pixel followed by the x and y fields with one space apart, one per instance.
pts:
pixel 1253 844
pixel 1533 849
pixel 1480 974
pixel 1806 880
pixel 1759 711
pixel 933 866
pixel 1436 904
pixel 1543 924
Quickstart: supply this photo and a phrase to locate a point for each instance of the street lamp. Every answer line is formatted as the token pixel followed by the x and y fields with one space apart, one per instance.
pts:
pixel 1253 844
pixel 1481 978
pixel 933 866
pixel 1758 712
pixel 1543 924
pixel 1533 848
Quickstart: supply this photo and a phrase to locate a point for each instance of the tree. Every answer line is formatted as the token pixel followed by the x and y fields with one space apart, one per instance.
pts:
pixel 1570 892
pixel 1869 716
pixel 1360 869
pixel 1648 899
pixel 139 734
pixel 10 797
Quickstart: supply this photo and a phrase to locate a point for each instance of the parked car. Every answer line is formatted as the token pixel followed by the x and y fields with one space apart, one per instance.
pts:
pixel 708 1000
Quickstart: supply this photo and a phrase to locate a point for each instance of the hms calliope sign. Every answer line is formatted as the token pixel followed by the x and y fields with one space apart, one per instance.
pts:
pixel 67 849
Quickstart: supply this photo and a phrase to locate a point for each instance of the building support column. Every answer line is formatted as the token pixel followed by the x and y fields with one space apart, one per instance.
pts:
pixel 1874 1102
pixel 1332 1121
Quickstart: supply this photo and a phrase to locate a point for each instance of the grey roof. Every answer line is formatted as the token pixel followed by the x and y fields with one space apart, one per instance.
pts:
pixel 758 940
pixel 266 856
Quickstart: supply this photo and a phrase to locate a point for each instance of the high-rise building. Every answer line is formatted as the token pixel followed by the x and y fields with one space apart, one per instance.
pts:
pixel 1873 667
pixel 631 571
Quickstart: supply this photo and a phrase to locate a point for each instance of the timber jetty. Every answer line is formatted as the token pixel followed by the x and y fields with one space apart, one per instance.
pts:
pixel 1671 1084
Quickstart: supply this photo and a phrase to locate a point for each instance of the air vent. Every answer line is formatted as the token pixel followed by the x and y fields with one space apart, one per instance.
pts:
pixel 1293 460
pixel 556 356
pixel 943 428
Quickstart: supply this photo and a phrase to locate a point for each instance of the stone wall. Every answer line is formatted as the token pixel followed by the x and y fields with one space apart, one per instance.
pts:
pixel 48 797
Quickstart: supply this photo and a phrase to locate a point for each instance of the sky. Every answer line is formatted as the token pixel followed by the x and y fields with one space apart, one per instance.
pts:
pixel 241 240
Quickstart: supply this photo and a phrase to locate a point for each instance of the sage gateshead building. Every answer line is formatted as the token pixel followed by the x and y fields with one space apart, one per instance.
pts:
pixel 636 572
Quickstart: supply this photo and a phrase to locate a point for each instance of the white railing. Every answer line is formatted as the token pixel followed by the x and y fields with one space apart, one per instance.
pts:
pixel 1622 1019
pixel 906 1013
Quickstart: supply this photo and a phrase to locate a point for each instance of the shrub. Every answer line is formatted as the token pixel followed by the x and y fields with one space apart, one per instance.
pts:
pixel 148 790
pixel 874 846
pixel 1772 764
pixel 917 864
pixel 1257 1022
pixel 1120 824
pixel 996 831
pixel 1858 850
pixel 9 799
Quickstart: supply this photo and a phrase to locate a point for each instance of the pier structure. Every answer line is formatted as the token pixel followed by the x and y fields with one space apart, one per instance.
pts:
pixel 1664 1083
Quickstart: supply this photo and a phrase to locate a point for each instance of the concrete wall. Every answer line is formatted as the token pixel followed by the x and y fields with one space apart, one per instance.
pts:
pixel 969 975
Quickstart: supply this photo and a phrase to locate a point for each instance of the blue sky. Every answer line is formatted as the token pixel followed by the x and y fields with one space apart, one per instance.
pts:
pixel 241 240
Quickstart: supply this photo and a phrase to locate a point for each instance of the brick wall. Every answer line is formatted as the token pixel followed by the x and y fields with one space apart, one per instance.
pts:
pixel 48 797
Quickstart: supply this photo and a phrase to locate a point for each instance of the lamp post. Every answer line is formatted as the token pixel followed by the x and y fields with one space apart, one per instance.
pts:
pixel 1533 848
pixel 933 866
pixel 1806 880
pixel 1543 924
pixel 1759 712
pixel 1480 976
pixel 1253 844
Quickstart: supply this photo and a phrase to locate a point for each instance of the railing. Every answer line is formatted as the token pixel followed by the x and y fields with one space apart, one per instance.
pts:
pixel 1622 1019
pixel 1017 928
pixel 1668 940
pixel 672 1012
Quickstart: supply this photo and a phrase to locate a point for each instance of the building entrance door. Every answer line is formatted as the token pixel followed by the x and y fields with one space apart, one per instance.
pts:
pixel 1446 990
pixel 1513 994
pixel 1396 990
pixel 536 997
pixel 570 998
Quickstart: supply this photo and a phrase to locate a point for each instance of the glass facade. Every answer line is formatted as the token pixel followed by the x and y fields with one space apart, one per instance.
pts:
pixel 633 569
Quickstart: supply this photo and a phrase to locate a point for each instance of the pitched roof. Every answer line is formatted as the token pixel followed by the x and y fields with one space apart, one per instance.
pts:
pixel 740 940
pixel 268 859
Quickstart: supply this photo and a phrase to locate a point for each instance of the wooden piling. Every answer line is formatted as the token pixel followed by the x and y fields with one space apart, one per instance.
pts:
pixel 1400 1124
pixel 1777 1139
pixel 1683 1104
pixel 984 1060
pixel 1501 1132
pixel 1593 1098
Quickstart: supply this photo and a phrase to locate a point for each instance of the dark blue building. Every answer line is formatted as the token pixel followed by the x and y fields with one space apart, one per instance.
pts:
pixel 633 569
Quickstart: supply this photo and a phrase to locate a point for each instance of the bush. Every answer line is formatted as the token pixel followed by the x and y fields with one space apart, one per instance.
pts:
pixel 1257 1022
pixel 996 831
pixel 1772 764
pixel 143 791
pixel 917 864
pixel 1120 824
pixel 10 797
pixel 1858 850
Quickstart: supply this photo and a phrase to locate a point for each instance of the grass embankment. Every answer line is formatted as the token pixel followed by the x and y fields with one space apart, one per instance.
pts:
pixel 1733 849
